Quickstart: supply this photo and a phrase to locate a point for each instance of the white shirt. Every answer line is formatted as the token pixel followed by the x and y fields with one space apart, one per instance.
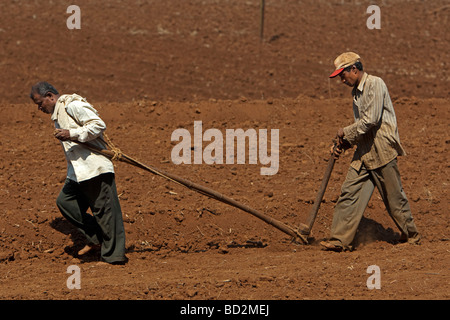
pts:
pixel 75 114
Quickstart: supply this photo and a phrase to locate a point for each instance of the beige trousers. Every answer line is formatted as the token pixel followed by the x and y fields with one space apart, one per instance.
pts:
pixel 356 192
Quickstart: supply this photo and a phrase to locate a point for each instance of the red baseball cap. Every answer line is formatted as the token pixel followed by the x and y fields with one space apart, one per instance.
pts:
pixel 343 61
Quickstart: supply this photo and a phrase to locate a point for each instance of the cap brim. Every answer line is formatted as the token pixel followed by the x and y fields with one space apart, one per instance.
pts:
pixel 336 72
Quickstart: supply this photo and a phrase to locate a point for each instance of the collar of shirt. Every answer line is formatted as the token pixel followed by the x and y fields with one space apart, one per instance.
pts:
pixel 360 86
pixel 56 110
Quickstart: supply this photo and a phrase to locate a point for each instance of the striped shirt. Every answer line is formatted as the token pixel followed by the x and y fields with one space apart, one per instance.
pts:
pixel 375 131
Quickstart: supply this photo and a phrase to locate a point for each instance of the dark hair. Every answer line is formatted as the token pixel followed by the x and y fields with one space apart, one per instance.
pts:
pixel 42 88
pixel 357 64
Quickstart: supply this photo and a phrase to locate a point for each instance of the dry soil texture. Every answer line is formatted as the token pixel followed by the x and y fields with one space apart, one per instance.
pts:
pixel 151 67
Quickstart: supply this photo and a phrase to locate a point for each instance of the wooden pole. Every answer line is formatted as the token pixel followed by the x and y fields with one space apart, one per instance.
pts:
pixel 297 237
pixel 305 229
pixel 261 21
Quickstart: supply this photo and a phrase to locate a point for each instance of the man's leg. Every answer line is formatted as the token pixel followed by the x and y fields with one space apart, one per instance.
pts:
pixel 388 182
pixel 73 206
pixel 355 195
pixel 106 209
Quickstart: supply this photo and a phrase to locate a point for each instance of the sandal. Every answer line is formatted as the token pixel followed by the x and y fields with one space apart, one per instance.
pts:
pixel 331 247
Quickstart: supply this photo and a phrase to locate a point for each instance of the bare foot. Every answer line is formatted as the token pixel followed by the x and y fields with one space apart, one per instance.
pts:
pixel 87 248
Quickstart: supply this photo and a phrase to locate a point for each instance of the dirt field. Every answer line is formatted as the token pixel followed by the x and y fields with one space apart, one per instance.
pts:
pixel 151 67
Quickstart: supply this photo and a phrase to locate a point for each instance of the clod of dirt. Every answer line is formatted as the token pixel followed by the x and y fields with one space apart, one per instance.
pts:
pixel 179 217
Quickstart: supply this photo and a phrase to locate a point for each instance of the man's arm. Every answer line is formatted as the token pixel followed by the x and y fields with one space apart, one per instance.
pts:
pixel 91 125
pixel 369 113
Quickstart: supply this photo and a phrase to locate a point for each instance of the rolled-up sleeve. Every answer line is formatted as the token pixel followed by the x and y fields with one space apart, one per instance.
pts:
pixel 90 124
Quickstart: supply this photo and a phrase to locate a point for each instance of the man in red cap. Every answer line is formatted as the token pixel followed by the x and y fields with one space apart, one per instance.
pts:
pixel 374 163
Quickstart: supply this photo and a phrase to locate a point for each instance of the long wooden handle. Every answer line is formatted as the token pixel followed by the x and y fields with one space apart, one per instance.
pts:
pixel 315 208
pixel 205 191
